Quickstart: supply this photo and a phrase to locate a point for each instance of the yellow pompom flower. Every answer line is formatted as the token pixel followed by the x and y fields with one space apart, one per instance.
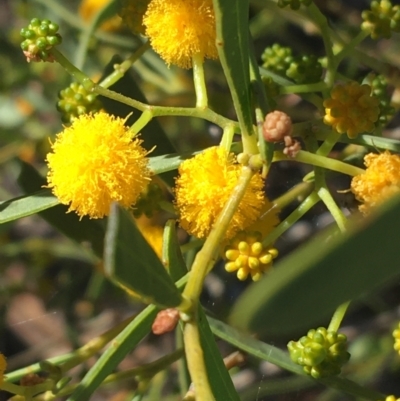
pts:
pixel 89 8
pixel 380 181
pixel 3 366
pixel 247 256
pixel 204 186
pixel 391 398
pixel 95 162
pixel 351 109
pixel 181 29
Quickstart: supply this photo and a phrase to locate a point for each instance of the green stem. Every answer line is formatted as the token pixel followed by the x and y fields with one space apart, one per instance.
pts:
pixel 76 73
pixel 321 21
pixel 338 316
pixel 199 81
pixel 156 111
pixel 301 210
pixel 143 372
pixel 227 137
pixel 321 161
pixel 301 190
pixel 328 144
pixel 195 360
pixel 121 69
pixel 349 47
pixel 141 122
pixel 304 88
pixel 333 208
pixel 211 246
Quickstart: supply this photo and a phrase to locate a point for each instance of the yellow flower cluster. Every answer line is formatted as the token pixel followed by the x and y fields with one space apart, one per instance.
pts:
pixel 204 186
pixel 181 29
pixel 380 181
pixel 95 162
pixel 351 109
pixel 247 256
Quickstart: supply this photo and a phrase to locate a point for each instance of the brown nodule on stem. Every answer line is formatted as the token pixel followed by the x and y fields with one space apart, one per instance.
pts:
pixel 165 321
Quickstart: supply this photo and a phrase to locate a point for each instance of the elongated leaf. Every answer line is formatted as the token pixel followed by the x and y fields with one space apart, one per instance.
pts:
pixel 231 18
pixel 91 232
pixel 124 343
pixel 310 283
pixel 172 256
pixel 129 260
pixel 168 162
pixel 218 376
pixel 27 205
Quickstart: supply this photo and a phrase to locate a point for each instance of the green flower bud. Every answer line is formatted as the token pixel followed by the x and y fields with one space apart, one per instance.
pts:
pixel 40 37
pixel 76 101
pixel 277 58
pixel 381 20
pixel 379 88
pixel 321 353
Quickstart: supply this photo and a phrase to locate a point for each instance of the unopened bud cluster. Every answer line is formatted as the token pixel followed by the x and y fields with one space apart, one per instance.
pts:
pixel 322 353
pixel 379 88
pixel 76 101
pixel 381 20
pixel 40 37
pixel 300 69
pixel 247 256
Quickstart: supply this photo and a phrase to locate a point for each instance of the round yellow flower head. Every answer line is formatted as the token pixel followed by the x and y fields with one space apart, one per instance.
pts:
pixel 380 181
pixel 247 256
pixel 95 162
pixel 89 8
pixel 204 186
pixel 391 398
pixel 181 29
pixel 351 109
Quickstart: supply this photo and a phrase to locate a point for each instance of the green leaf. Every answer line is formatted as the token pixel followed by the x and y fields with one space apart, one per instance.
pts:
pixel 232 40
pixel 27 205
pixel 90 232
pixel 160 164
pixel 309 284
pixel 131 262
pixel 124 343
pixel 172 255
pixel 218 376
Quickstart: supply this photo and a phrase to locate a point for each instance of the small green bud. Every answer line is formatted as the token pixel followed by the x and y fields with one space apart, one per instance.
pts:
pixel 381 20
pixel 40 37
pixel 322 353
pixel 75 101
